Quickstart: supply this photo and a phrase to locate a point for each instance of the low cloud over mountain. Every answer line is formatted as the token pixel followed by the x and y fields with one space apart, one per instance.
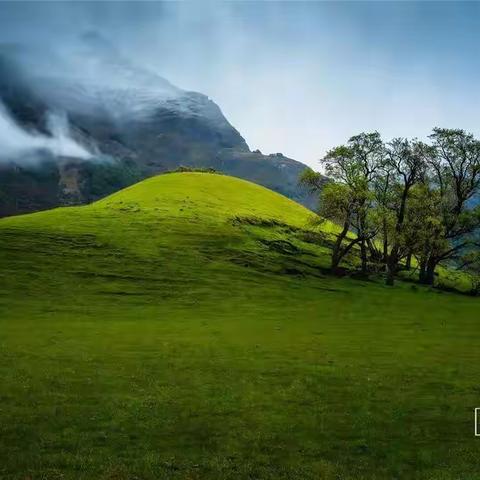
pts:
pixel 96 122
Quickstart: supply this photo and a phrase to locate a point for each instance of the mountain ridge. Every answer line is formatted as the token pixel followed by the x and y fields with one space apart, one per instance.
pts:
pixel 135 126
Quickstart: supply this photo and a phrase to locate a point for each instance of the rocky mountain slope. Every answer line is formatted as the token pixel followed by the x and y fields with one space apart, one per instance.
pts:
pixel 123 122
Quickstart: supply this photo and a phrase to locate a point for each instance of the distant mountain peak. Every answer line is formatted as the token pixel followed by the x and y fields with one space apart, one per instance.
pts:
pixel 125 112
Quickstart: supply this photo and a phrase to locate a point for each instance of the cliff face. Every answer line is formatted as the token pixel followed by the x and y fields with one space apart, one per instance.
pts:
pixel 133 124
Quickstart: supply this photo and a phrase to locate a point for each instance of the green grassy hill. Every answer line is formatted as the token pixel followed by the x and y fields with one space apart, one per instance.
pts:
pixel 185 328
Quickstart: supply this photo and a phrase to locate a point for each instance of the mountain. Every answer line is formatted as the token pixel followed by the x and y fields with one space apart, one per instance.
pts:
pixel 127 123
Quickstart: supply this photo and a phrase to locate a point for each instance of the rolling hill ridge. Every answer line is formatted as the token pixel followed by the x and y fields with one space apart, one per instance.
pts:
pixel 186 224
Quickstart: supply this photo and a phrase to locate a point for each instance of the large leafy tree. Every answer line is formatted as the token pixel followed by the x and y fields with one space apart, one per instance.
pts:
pixel 405 166
pixel 348 200
pixel 406 198
pixel 454 166
pixel 423 228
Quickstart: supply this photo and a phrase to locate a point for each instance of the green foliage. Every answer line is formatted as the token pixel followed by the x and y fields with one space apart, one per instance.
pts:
pixel 424 230
pixel 410 197
pixel 357 162
pixel 335 201
pixel 107 177
pixel 314 181
pixel 350 201
pixel 455 160
pixel 184 169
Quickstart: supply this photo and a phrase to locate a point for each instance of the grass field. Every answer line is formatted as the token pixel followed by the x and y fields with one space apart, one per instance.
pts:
pixel 184 328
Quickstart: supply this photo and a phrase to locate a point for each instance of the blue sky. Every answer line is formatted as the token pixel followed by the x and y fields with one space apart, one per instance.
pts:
pixel 293 77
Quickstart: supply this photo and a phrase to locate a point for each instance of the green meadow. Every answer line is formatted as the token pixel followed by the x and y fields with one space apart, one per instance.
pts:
pixel 187 328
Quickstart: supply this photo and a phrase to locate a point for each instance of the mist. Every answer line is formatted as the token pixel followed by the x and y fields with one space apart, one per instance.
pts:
pixel 20 144
pixel 292 77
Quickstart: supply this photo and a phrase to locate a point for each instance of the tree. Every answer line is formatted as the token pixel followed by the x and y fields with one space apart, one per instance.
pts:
pixel 340 203
pixel 348 200
pixel 313 181
pixel 402 200
pixel 385 207
pixel 423 229
pixel 454 168
pixel 405 166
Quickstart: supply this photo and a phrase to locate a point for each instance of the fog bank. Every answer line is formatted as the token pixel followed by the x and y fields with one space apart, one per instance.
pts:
pixel 18 143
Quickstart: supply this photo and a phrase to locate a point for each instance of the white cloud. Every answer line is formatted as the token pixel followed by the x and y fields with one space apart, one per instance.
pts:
pixel 16 142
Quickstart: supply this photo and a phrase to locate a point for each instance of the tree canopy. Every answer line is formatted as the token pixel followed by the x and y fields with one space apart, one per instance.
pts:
pixel 401 200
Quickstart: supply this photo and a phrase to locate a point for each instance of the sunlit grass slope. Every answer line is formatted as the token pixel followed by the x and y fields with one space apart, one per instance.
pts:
pixel 184 328
pixel 208 195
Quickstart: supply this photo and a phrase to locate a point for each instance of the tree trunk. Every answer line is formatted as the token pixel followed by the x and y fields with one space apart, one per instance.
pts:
pixel 427 271
pixel 363 255
pixel 337 247
pixel 422 271
pixel 430 271
pixel 374 253
pixel 392 266
pixel 391 270
pixel 408 262
pixel 393 258
pixel 335 262
pixel 385 243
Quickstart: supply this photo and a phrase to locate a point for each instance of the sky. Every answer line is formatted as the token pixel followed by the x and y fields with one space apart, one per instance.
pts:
pixel 292 77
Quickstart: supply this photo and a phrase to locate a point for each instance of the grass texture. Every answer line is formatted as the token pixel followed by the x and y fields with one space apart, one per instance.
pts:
pixel 185 328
